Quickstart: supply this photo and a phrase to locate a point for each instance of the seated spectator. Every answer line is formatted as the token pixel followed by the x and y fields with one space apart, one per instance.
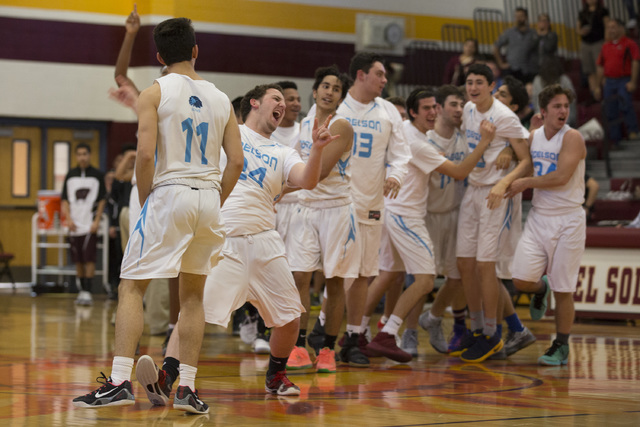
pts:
pixel 457 66
pixel 552 72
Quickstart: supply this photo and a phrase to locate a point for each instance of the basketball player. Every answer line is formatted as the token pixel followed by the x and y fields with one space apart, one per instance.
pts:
pixel 255 267
pixel 252 328
pixel 406 245
pixel 554 235
pixel 378 141
pixel 324 222
pixel 288 133
pixel 485 216
pixel 183 122
pixel 157 298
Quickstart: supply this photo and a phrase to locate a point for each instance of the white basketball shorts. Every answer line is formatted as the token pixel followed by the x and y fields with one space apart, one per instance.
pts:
pixel 443 230
pixel 324 238
pixel 555 243
pixel 254 269
pixel 179 229
pixel 405 245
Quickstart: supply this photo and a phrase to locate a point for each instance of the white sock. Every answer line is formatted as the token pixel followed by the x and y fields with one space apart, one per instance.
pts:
pixel 432 317
pixel 384 319
pixel 322 317
pixel 365 323
pixel 188 376
pixel 171 326
pixel 353 329
pixel 393 325
pixel 121 368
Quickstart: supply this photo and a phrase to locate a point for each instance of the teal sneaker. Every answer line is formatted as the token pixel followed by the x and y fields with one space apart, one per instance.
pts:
pixel 556 355
pixel 538 304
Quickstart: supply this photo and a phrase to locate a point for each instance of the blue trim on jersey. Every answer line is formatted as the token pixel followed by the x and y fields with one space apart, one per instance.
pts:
pixel 348 106
pixel 375 105
pixel 352 234
pixel 342 166
pixel 140 225
pixel 414 236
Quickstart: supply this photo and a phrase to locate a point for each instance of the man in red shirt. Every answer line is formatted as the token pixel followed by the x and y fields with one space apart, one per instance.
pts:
pixel 618 64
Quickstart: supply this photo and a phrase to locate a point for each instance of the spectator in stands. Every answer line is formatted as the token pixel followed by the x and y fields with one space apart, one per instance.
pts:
pixel 631 10
pixel 546 40
pixel 399 103
pixel 521 43
pixel 458 65
pixel 591 22
pixel 618 64
pixel 552 72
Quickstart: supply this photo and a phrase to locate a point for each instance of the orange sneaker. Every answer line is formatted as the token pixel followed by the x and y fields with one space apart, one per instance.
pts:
pixel 299 359
pixel 326 361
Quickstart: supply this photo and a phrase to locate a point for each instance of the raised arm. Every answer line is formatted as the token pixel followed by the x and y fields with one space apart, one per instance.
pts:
pixel 232 146
pixel 307 175
pixel 147 135
pixel 336 149
pixel 132 25
pixel 463 169
pixel 124 171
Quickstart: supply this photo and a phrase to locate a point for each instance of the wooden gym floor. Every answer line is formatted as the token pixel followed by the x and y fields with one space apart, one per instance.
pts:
pixel 51 352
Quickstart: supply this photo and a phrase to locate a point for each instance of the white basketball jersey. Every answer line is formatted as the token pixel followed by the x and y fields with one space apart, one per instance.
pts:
pixel 378 140
pixel 192 116
pixel 544 153
pixel 249 207
pixel 445 193
pixel 335 186
pixel 507 126
pixel 288 136
pixel 412 198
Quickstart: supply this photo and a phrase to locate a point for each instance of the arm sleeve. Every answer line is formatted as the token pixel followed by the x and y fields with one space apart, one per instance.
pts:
pixel 510 127
pixel 398 151
pixel 291 158
pixel 426 158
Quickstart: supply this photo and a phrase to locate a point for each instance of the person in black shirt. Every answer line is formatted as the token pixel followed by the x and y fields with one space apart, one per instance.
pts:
pixel 591 22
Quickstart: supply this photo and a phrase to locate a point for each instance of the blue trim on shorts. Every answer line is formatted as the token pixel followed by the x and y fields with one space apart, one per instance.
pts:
pixel 352 233
pixel 140 225
pixel 414 236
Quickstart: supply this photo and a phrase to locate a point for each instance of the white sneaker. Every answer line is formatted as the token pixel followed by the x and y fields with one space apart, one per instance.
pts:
pixel 84 298
pixel 409 342
pixel 261 346
pixel 248 330
pixel 434 327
